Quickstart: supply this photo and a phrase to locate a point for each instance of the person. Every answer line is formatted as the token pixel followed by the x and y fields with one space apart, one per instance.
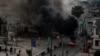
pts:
pixel 66 53
pixel 19 52
pixel 60 44
pixel 54 55
pixel 11 49
pixel 6 49
pixel 48 49
pixel 0 49
pixel 18 55
pixel 6 54
pixel 43 53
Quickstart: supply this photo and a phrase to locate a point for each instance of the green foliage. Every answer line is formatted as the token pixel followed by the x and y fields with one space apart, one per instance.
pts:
pixel 5 40
pixel 97 53
pixel 81 24
pixel 77 11
pixel 29 52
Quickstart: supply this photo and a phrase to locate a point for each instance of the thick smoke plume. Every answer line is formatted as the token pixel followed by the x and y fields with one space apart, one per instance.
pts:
pixel 56 23
pixel 28 14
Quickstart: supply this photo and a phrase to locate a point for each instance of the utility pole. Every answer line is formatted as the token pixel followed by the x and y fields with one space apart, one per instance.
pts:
pixel 17 33
pixel 31 46
pixel 85 31
pixel 50 34
pixel 51 47
pixel 1 29
pixel 8 28
pixel 62 46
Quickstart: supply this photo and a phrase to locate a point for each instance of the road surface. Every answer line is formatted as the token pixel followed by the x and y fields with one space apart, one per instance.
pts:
pixel 72 50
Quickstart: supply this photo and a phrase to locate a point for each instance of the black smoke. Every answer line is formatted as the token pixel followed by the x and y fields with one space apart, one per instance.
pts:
pixel 54 21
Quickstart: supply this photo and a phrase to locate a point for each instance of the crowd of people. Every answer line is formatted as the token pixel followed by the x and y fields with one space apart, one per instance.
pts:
pixel 10 51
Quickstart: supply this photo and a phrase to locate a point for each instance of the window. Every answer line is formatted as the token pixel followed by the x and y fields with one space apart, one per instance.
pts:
pixel 96 42
pixel 97 26
pixel 95 15
pixel 97 31
pixel 90 23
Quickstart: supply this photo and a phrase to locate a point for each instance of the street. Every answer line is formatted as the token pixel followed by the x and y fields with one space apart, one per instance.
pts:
pixel 72 50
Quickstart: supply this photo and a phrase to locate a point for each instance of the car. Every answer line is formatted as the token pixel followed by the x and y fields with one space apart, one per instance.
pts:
pixel 71 43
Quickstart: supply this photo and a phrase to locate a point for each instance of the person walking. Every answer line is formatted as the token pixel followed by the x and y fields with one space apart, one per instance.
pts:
pixel 54 55
pixel 6 54
pixel 11 49
pixel 5 49
pixel 18 55
pixel 66 53
pixel 19 52
pixel 48 49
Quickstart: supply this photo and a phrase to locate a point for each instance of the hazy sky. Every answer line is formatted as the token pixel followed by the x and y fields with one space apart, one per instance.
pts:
pixel 68 4
pixel 83 0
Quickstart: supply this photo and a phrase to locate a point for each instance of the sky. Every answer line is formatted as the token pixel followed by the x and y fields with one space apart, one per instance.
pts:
pixel 83 0
pixel 68 4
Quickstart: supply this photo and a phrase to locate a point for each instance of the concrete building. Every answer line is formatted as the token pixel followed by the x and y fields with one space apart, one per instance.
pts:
pixel 96 34
pixel 10 13
pixel 92 13
pixel 93 22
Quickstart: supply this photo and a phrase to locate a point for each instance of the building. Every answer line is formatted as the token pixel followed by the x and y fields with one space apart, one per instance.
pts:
pixel 92 19
pixel 10 13
pixel 93 22
pixel 96 34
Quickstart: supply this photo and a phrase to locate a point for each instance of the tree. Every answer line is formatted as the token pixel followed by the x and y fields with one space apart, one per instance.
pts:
pixel 97 53
pixel 29 52
pixel 5 40
pixel 77 11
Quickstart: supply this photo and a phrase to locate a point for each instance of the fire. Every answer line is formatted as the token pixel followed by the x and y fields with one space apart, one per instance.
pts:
pixel 71 42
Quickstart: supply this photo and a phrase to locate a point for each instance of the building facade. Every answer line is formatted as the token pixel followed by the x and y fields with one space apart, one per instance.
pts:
pixel 93 24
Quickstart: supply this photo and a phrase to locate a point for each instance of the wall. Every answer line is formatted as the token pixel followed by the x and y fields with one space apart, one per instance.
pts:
pixel 10 10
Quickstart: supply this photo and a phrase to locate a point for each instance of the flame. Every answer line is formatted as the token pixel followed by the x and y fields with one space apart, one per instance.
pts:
pixel 71 42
